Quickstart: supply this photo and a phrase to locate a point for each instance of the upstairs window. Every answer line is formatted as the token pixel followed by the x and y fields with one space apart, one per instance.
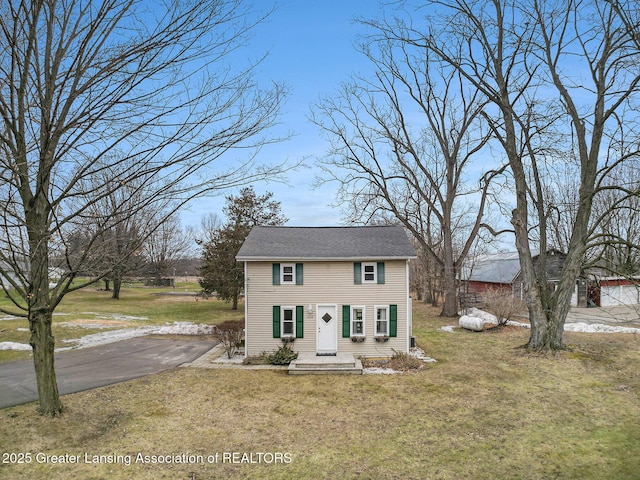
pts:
pixel 369 273
pixel 287 273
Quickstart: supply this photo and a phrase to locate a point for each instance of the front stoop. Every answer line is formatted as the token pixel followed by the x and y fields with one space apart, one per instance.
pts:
pixel 310 364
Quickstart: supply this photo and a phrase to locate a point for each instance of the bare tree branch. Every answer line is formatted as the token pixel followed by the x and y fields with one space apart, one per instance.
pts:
pixel 153 97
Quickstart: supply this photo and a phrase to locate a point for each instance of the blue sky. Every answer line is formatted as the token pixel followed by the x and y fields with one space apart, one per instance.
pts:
pixel 311 48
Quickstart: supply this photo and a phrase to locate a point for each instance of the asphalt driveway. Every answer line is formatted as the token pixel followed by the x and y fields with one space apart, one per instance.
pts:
pixel 87 368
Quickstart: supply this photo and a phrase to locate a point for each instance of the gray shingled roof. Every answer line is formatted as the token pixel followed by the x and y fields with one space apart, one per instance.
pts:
pixel 495 268
pixel 289 243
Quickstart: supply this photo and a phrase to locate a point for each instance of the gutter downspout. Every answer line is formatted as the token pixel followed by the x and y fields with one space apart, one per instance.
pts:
pixel 246 309
pixel 409 308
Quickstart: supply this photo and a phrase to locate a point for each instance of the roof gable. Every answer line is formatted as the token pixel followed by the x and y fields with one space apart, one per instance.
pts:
pixel 324 243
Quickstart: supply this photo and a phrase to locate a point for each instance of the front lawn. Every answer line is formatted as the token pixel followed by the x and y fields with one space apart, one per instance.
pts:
pixel 485 410
pixel 81 312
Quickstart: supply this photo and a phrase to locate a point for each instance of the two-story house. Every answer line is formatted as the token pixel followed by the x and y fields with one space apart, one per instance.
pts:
pixel 328 290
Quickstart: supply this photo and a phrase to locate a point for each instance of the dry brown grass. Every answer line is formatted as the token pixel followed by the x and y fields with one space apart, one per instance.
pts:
pixel 150 306
pixel 486 410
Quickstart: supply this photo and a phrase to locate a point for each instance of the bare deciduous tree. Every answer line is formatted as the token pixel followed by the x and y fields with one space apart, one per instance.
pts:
pixel 615 240
pixel 155 93
pixel 561 73
pixel 164 247
pixel 403 142
pixel 113 227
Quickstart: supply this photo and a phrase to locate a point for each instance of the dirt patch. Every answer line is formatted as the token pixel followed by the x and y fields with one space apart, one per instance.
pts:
pixel 400 363
pixel 501 328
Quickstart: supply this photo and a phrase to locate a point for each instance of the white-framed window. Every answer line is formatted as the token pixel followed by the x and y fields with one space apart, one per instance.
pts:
pixel 382 320
pixel 288 322
pixel 288 273
pixel 357 321
pixel 369 273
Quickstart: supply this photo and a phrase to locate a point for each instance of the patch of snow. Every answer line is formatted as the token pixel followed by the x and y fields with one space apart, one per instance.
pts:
pixel 448 328
pixel 518 324
pixel 492 319
pixel 416 352
pixel 14 346
pixel 419 354
pixel 104 338
pixel 8 317
pixel 598 328
pixel 22 329
pixel 96 325
pixel 111 336
pixel 379 371
pixel 185 328
pixel 580 327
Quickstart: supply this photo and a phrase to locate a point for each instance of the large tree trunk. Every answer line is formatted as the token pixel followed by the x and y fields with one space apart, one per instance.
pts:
pixel 40 308
pixel 43 342
pixel 548 319
pixel 117 274
pixel 546 331
pixel 117 284
pixel 235 302
pixel 450 304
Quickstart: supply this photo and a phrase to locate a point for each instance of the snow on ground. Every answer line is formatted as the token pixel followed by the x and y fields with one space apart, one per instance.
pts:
pixel 598 328
pixel 487 317
pixel 14 346
pixel 111 336
pixel 103 338
pixel 419 354
pixel 187 328
pixel 379 371
pixel 581 327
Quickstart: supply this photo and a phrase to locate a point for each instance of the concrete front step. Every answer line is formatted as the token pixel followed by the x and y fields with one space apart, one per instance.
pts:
pixel 307 364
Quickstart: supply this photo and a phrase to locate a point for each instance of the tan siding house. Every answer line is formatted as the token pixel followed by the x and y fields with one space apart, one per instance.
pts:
pixel 327 290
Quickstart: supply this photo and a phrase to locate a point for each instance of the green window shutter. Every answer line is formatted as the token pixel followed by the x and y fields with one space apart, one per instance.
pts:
pixel 276 321
pixel 299 274
pixel 357 273
pixel 299 321
pixel 380 267
pixel 346 321
pixel 393 320
pixel 276 274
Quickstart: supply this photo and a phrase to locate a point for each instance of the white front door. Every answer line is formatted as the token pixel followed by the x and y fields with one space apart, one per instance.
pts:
pixel 327 325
